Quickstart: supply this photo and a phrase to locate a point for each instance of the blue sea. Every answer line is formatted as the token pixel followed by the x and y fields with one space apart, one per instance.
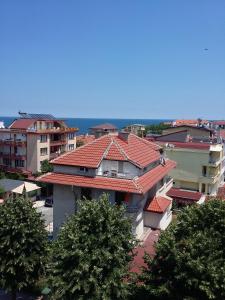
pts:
pixel 85 123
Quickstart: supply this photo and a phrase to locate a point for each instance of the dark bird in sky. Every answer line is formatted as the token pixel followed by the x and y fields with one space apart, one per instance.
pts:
pixel 206 49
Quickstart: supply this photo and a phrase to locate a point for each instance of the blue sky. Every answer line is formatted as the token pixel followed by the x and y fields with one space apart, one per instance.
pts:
pixel 113 58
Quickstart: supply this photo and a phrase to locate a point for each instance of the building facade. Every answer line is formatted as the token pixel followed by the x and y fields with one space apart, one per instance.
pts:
pixel 129 169
pixel 200 162
pixel 31 139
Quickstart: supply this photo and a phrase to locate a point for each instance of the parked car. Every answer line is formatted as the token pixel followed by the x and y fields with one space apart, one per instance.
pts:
pixel 49 202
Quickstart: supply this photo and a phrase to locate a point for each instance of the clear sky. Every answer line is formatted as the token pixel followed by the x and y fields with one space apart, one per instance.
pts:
pixel 113 58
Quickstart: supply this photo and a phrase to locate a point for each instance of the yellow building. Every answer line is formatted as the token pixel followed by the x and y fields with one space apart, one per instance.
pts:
pixel 200 166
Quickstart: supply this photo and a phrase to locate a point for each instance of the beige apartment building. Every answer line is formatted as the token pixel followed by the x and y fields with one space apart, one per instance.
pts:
pixel 200 161
pixel 31 139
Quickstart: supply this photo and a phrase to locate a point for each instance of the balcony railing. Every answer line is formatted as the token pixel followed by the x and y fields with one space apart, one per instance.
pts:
pixel 13 156
pixel 12 142
pixel 116 174
pixel 54 130
pixel 57 142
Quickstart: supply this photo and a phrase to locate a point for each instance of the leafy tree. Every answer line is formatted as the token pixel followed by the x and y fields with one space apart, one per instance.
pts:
pixel 23 241
pixel 190 257
pixel 156 128
pixel 2 191
pixel 46 166
pixel 92 253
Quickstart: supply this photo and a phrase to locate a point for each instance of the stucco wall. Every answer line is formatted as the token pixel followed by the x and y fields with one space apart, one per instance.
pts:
pixel 73 170
pixel 32 152
pixel 160 221
pixel 64 205
pixel 108 165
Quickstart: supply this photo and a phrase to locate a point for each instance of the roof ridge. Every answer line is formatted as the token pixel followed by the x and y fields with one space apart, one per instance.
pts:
pixel 146 142
pixel 122 151
pixel 107 148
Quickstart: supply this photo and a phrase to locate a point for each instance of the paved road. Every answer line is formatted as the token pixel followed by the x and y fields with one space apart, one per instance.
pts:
pixel 47 213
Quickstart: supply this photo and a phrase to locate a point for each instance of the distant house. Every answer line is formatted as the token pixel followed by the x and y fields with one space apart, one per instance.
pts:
pixel 129 169
pixel 84 139
pixel 194 122
pixel 219 124
pixel 18 187
pixel 31 139
pixel 137 129
pixel 195 132
pixel 102 129
pixel 200 162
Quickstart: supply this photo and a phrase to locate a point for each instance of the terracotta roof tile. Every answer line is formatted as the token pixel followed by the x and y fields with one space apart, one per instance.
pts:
pixel 136 150
pixel 158 204
pixel 184 194
pixel 21 124
pixel 188 145
pixel 98 182
pixel 138 185
pixel 150 178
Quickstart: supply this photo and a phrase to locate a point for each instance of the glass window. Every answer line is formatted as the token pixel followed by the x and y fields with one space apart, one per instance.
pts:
pixel 44 151
pixel 71 136
pixel 43 138
pixel 71 147
pixel 19 163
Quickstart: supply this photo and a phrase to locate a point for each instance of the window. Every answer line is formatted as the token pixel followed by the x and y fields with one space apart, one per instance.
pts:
pixel 71 147
pixel 83 169
pixel 204 170
pixel 19 163
pixel 7 161
pixel 44 151
pixel 43 138
pixel 120 167
pixel 71 136
pixel 86 193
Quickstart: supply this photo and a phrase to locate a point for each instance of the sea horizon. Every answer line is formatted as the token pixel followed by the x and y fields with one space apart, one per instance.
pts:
pixel 85 123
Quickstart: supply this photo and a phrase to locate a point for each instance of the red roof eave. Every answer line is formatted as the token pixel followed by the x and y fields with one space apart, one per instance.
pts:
pixel 138 185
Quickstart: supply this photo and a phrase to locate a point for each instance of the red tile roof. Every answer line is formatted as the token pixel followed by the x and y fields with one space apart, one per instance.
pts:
pixel 158 204
pixel 219 123
pixel 190 122
pixel 188 145
pixel 138 185
pixel 85 138
pixel 150 178
pixel 136 150
pixel 21 124
pixel 183 194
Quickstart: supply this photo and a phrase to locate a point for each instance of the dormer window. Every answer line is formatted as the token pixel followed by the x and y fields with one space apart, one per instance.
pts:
pixel 83 169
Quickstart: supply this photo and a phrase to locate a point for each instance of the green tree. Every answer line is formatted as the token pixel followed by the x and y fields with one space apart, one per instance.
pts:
pixel 23 245
pixel 190 257
pixel 46 166
pixel 156 128
pixel 92 253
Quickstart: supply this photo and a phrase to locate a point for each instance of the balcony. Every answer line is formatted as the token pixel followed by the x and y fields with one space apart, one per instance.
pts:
pixel 13 156
pixel 12 142
pixel 57 142
pixel 116 174
pixel 54 130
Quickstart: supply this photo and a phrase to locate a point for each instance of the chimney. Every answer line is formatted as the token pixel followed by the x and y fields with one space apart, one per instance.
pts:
pixel 123 135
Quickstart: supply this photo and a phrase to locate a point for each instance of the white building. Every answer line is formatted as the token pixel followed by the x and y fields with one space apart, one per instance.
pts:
pixel 125 166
